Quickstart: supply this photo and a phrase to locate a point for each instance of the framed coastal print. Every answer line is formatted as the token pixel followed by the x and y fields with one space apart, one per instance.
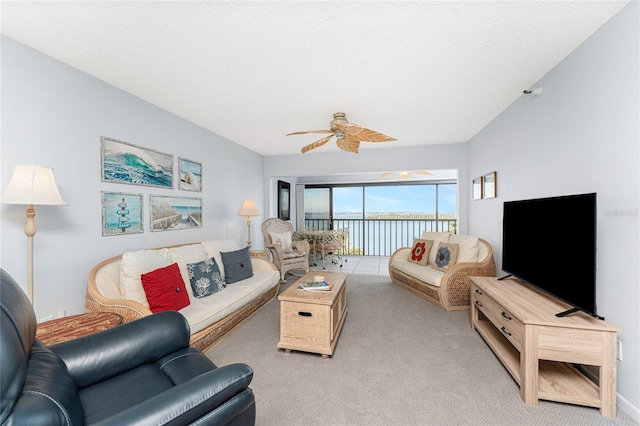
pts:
pixel 123 162
pixel 190 175
pixel 284 200
pixel 121 213
pixel 490 187
pixel 172 213
pixel 477 188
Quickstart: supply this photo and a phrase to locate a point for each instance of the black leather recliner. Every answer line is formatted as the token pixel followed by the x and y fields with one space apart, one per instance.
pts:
pixel 139 373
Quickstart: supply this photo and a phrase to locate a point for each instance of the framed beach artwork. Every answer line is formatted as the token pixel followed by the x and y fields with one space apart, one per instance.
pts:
pixel 284 199
pixel 121 214
pixel 123 162
pixel 173 213
pixel 477 188
pixel 190 175
pixel 490 185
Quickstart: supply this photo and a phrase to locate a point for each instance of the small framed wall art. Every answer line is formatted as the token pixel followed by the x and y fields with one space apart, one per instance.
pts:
pixel 121 214
pixel 190 175
pixel 477 188
pixel 490 185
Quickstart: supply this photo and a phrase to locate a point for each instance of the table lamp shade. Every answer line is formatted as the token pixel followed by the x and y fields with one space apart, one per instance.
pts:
pixel 248 209
pixel 32 184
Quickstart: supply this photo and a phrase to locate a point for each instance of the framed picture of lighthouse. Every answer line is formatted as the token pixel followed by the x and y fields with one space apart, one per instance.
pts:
pixel 121 214
pixel 123 162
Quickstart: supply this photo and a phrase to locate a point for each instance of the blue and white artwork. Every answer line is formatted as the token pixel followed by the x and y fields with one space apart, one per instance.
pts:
pixel 168 213
pixel 123 162
pixel 121 214
pixel 190 175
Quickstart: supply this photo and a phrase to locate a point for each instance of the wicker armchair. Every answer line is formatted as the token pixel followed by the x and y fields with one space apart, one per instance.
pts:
pixel 285 260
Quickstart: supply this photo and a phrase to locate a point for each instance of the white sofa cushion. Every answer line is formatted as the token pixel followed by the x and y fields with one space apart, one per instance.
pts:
pixel 182 255
pixel 437 238
pixel 136 263
pixel 203 312
pixel 214 247
pixel 467 247
pixel 423 273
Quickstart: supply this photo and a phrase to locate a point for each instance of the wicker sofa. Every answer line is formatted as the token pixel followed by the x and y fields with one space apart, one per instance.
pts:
pixel 448 289
pixel 211 318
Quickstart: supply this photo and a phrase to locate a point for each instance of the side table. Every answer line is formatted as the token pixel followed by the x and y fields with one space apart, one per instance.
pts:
pixel 74 326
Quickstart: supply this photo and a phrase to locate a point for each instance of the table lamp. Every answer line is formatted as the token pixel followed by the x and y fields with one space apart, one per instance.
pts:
pixel 32 185
pixel 248 209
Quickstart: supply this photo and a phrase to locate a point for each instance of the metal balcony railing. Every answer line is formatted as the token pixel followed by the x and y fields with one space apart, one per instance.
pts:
pixel 381 237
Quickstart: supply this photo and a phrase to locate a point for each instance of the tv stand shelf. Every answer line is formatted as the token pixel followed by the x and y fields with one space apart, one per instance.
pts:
pixel 539 349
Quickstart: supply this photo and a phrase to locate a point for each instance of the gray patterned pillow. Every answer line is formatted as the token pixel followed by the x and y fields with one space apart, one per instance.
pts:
pixel 205 278
pixel 237 265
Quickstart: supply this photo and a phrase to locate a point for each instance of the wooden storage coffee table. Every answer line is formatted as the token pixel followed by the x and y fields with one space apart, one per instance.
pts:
pixel 311 321
pixel 74 326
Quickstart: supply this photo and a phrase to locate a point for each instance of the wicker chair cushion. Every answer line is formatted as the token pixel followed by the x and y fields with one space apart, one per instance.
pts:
pixel 294 255
pixel 283 239
pixel 423 273
pixel 203 312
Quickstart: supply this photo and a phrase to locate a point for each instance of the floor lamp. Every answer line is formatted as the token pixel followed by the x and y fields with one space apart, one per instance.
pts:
pixel 248 209
pixel 32 185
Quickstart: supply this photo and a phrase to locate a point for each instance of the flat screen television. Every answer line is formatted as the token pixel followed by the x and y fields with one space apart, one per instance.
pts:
pixel 550 243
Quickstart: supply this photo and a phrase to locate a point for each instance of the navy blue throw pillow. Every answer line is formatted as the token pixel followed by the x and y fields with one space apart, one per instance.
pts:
pixel 237 265
pixel 205 278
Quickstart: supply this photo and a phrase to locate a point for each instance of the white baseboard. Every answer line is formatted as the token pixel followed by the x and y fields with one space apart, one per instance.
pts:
pixel 630 409
pixel 621 403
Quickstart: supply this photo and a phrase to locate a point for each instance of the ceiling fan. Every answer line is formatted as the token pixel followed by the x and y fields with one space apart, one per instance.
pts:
pixel 349 135
pixel 405 174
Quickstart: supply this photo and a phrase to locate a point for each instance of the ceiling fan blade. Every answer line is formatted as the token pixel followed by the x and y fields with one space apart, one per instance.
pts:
pixel 316 144
pixel 310 131
pixel 356 131
pixel 348 144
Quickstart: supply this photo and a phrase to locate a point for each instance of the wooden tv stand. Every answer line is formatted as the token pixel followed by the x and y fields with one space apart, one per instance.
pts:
pixel 538 349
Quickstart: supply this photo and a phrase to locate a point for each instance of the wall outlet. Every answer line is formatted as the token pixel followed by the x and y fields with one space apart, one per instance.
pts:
pixel 619 351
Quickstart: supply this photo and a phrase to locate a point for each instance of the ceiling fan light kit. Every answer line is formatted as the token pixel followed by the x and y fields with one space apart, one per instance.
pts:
pixel 348 135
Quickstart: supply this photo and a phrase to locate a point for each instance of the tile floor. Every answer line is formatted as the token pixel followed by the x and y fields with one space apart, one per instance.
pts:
pixel 364 265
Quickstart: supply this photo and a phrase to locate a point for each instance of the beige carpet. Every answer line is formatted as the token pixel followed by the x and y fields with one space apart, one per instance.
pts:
pixel 399 361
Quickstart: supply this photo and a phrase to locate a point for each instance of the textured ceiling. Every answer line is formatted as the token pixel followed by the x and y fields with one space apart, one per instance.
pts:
pixel 424 72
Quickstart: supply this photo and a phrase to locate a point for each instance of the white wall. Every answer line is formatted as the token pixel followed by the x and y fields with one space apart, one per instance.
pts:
pixel 54 115
pixel 582 135
pixel 290 167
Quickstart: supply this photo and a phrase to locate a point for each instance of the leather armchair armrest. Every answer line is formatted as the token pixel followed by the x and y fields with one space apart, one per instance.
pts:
pixel 201 394
pixel 102 355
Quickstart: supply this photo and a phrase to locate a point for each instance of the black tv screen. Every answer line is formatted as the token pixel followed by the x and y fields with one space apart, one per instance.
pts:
pixel 551 244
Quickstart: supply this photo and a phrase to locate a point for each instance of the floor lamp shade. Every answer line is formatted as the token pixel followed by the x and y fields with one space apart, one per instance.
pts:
pixel 248 209
pixel 32 185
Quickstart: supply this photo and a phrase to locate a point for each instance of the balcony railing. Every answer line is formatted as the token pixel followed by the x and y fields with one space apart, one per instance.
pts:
pixel 381 237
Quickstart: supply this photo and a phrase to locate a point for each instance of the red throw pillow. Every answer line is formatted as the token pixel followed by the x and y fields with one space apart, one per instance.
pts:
pixel 420 251
pixel 165 289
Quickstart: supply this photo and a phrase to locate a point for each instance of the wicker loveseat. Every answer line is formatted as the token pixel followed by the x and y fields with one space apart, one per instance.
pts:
pixel 448 289
pixel 210 318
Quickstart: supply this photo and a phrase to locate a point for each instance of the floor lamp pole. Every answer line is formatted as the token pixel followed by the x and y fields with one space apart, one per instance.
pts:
pixel 30 231
pixel 249 232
